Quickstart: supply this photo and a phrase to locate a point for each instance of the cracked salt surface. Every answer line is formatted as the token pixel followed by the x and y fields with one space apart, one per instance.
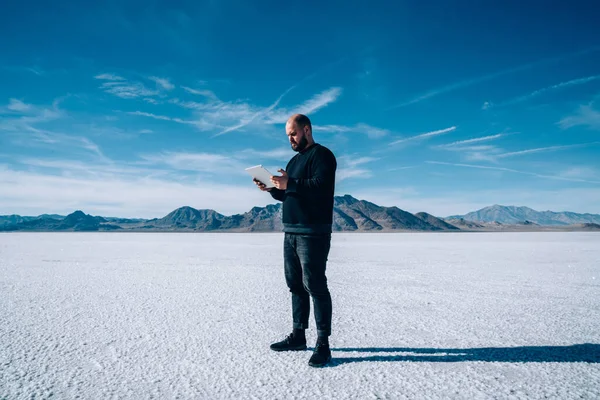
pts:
pixel 125 315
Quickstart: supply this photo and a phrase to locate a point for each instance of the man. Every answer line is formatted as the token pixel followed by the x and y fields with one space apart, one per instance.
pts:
pixel 306 188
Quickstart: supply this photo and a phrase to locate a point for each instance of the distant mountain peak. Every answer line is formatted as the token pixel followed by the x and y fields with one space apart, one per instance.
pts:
pixel 518 214
pixel 345 199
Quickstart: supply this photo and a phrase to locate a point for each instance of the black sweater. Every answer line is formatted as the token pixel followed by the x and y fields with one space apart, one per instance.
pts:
pixel 308 199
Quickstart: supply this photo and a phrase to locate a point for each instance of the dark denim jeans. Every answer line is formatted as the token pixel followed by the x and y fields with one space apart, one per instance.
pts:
pixel 305 259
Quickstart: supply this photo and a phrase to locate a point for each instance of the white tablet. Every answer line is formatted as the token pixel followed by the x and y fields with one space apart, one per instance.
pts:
pixel 261 174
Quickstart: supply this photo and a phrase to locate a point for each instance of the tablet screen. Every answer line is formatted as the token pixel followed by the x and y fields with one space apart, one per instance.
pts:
pixel 261 174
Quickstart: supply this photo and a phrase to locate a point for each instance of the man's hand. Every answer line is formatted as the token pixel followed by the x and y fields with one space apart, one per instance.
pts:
pixel 280 182
pixel 261 185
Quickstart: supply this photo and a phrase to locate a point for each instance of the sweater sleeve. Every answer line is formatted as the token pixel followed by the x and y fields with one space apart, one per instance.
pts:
pixel 277 194
pixel 324 167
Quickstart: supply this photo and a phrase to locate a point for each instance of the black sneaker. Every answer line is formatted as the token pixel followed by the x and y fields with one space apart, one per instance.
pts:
pixel 290 343
pixel 321 356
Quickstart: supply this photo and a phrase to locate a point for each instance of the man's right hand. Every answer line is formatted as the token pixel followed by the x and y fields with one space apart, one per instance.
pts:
pixel 261 186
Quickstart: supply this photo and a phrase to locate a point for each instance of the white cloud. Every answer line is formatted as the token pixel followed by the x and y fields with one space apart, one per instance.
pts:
pixel 573 82
pixel 150 115
pixel 311 106
pixel 18 106
pixel 545 149
pixel 282 153
pixel 162 117
pixel 556 177
pixel 350 166
pixel 317 102
pixel 215 114
pixel 371 131
pixel 352 161
pixel 343 174
pixel 484 78
pixel 471 141
pixel 129 90
pixel 31 193
pixel 206 93
pixel 162 82
pixel 585 116
pixel 471 150
pixel 425 135
pixel 581 172
pixel 22 115
pixel 64 141
pixel 487 105
pixel 260 115
pixel 124 89
pixel 200 162
pixel 109 77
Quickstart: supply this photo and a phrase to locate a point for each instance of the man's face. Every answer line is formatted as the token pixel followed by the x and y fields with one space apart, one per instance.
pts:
pixel 297 136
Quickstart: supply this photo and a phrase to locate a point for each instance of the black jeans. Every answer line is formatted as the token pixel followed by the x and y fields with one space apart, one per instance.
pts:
pixel 305 259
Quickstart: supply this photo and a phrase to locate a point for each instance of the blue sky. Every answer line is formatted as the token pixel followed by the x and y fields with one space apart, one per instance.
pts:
pixel 136 108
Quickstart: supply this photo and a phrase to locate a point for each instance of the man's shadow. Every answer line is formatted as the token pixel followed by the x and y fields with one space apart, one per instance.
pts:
pixel 587 352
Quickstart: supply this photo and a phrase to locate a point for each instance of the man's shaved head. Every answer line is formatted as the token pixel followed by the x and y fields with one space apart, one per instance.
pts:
pixel 299 131
pixel 301 120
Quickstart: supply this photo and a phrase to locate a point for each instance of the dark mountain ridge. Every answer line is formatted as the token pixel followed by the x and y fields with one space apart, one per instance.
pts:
pixel 349 215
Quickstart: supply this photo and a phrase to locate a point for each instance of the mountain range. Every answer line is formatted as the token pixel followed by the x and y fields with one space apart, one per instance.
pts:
pixel 349 215
pixel 518 215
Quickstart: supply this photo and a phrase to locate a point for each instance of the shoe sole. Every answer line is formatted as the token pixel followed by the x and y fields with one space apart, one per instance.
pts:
pixel 314 365
pixel 299 348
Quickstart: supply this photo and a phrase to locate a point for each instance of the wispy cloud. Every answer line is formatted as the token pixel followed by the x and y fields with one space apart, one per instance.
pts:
pixel 545 149
pixel 155 116
pixel 424 135
pixel 216 163
pixel 56 143
pixel 318 101
pixel 109 77
pixel 353 167
pixel 460 85
pixel 343 174
pixel 214 114
pixel 310 106
pixel 19 115
pixel 581 172
pixel 472 150
pixel 556 177
pixel 470 82
pixel 206 93
pixel 584 116
pixel 18 106
pixel 471 141
pixel 120 87
pixel 272 115
pixel 198 162
pixel 282 153
pixel 401 168
pixel 161 117
pixel 573 82
pixel 201 124
pixel 257 115
pixel 135 194
pixel 356 161
pixel 369 130
pixel 162 82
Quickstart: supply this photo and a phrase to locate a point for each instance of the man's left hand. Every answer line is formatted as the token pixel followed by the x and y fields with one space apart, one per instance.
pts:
pixel 280 182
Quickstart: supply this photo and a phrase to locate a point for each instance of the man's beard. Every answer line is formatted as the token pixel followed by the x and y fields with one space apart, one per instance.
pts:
pixel 301 145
